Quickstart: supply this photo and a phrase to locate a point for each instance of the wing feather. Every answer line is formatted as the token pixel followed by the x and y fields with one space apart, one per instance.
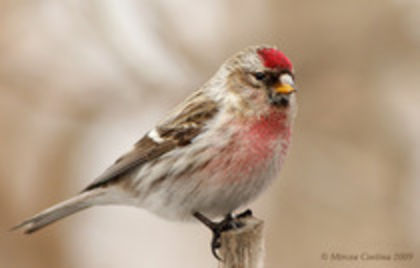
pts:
pixel 177 131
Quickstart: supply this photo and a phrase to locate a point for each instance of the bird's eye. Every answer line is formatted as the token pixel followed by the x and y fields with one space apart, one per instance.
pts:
pixel 259 76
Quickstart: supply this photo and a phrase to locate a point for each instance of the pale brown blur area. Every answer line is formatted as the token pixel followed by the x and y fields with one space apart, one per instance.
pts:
pixel 81 81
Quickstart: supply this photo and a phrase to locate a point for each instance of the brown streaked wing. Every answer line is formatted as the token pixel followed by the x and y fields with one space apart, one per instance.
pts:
pixel 189 123
pixel 176 132
pixel 135 158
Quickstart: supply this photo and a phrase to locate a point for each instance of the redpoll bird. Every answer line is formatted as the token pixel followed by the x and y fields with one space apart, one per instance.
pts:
pixel 213 154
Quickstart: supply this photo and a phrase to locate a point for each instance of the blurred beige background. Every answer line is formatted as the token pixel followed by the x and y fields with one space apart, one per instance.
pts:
pixel 81 81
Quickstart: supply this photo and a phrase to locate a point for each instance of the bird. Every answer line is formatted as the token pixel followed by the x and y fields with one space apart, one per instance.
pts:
pixel 213 154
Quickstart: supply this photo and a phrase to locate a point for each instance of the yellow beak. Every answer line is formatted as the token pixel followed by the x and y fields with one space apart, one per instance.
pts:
pixel 284 89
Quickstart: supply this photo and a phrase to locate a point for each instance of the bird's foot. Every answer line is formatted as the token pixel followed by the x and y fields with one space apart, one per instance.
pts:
pixel 228 223
pixel 244 214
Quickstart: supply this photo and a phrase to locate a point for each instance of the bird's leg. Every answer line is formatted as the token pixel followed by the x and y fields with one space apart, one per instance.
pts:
pixel 244 214
pixel 216 228
pixel 228 223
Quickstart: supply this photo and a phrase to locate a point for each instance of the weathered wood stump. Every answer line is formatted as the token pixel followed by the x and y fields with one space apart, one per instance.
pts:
pixel 243 247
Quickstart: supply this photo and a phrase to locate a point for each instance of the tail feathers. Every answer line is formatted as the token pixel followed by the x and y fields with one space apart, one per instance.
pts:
pixel 59 211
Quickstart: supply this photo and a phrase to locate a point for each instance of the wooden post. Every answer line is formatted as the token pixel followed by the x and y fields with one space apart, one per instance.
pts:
pixel 243 247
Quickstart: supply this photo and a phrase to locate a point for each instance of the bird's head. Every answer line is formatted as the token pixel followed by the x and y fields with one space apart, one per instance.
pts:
pixel 262 77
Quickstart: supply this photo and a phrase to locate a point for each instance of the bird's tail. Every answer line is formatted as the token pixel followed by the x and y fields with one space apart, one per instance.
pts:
pixel 66 208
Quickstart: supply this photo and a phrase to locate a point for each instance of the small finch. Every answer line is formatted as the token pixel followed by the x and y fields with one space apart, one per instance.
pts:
pixel 216 152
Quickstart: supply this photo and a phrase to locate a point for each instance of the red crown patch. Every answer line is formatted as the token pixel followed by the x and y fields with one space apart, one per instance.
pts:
pixel 275 59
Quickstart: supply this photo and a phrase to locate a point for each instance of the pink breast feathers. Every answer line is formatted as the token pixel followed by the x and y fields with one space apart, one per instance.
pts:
pixel 265 134
pixel 256 145
pixel 269 127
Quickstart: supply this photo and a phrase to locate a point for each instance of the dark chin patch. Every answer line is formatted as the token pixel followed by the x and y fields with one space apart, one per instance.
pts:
pixel 280 101
pixel 284 102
